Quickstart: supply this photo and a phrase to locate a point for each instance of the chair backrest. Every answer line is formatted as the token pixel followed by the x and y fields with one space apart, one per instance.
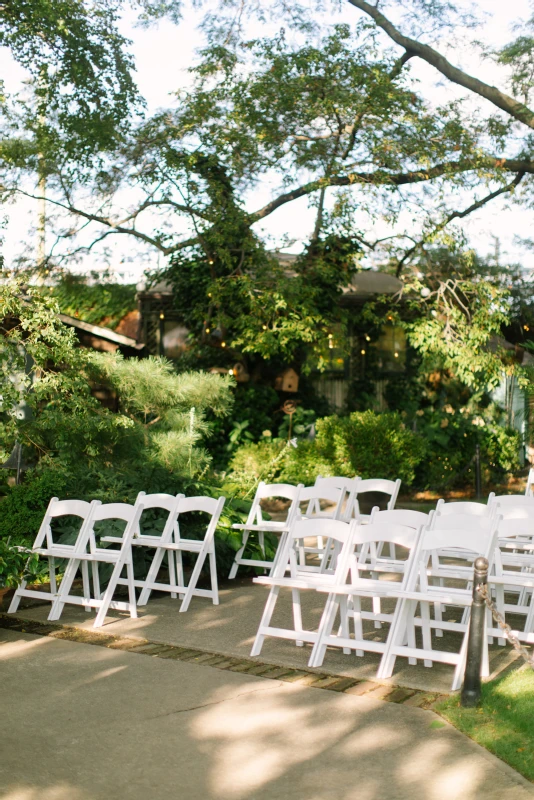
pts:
pixel 63 508
pixel 274 490
pixel 130 514
pixel 351 508
pixel 206 505
pixel 447 522
pixel 509 500
pixel 312 495
pixel 461 532
pixel 463 507
pixel 522 526
pixel 380 485
pixel 340 533
pixel 400 516
pixel 529 489
pixel 164 502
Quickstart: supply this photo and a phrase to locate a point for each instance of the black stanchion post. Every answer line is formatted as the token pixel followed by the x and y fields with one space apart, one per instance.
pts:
pixel 478 473
pixel 475 643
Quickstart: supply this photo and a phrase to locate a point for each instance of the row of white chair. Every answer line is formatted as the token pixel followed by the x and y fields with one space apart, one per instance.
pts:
pixel 340 493
pixel 437 574
pixel 117 551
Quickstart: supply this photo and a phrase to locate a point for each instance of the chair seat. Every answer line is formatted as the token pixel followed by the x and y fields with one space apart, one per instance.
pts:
pixel 314 581
pixel 363 586
pixel 452 597
pixel 270 525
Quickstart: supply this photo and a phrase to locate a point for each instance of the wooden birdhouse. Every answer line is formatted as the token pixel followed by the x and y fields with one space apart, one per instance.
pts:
pixel 287 381
pixel 240 373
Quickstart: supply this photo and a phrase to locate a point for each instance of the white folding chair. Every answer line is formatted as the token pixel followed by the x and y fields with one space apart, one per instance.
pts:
pixel 174 544
pixel 355 584
pixel 46 547
pixel 381 485
pixel 90 552
pixel 350 509
pixel 514 571
pixel 449 535
pixel 257 524
pixel 300 578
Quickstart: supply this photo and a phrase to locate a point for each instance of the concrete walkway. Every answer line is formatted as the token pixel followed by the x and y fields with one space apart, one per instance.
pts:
pixel 93 723
pixel 230 628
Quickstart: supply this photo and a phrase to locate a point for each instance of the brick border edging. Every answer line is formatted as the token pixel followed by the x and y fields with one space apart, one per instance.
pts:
pixel 315 680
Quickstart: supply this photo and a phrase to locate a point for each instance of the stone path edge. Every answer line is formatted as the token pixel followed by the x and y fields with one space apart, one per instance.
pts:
pixel 315 680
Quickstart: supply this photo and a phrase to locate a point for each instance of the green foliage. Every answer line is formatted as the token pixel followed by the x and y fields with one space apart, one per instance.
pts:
pixel 370 445
pixel 103 303
pixel 81 70
pixel 451 436
pixel 15 564
pixel 364 443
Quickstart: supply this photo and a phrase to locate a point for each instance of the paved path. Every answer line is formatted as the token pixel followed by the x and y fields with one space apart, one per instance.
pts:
pixel 92 723
pixel 230 628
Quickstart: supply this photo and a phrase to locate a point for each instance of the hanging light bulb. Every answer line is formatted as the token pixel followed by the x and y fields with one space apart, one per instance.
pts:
pixel 362 351
pixel 367 338
pixel 223 344
pixel 162 315
pixel 207 330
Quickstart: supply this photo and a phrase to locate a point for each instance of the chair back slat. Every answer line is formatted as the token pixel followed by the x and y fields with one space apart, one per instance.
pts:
pixel 462 507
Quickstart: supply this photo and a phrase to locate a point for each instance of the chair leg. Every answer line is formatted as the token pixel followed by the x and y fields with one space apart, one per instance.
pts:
pixel 213 576
pixel 86 585
pixel 131 589
pixel 193 581
pixel 151 576
pixel 266 618
pixel 17 597
pixel 96 579
pixel 64 589
pixel 52 574
pixel 426 631
pixel 325 629
pixel 239 555
pixel 357 620
pixel 180 571
pixel 172 571
pixel 110 591
pixel 297 614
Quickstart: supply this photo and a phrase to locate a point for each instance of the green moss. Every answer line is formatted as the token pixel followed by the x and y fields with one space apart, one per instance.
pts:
pixel 504 722
pixel 98 304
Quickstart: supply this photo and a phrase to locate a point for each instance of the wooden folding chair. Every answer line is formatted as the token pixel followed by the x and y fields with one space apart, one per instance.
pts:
pixel 46 547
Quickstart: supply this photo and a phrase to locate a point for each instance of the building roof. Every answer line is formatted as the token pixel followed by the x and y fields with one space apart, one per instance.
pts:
pixel 101 333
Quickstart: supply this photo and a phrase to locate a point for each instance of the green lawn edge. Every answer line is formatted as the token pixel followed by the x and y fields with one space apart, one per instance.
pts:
pixel 504 721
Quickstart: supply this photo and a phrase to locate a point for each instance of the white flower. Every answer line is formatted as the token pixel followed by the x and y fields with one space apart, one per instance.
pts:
pixel 293 442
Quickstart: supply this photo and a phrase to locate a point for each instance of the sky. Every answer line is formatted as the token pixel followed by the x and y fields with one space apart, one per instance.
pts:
pixel 163 54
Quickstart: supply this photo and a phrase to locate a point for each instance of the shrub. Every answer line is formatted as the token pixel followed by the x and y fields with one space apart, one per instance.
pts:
pixel 451 439
pixel 371 445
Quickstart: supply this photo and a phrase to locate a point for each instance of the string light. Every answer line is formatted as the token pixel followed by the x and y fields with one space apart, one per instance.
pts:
pixel 396 355
pixel 162 315
pixel 362 351
pixel 526 327
pixel 223 344
pixel 207 330
pixel 367 338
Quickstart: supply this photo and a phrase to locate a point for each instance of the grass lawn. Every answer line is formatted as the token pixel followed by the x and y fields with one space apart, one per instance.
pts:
pixel 504 723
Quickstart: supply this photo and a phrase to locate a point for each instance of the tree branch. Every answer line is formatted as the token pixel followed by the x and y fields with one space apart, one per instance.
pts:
pixel 503 101
pixel 383 178
pixel 458 215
